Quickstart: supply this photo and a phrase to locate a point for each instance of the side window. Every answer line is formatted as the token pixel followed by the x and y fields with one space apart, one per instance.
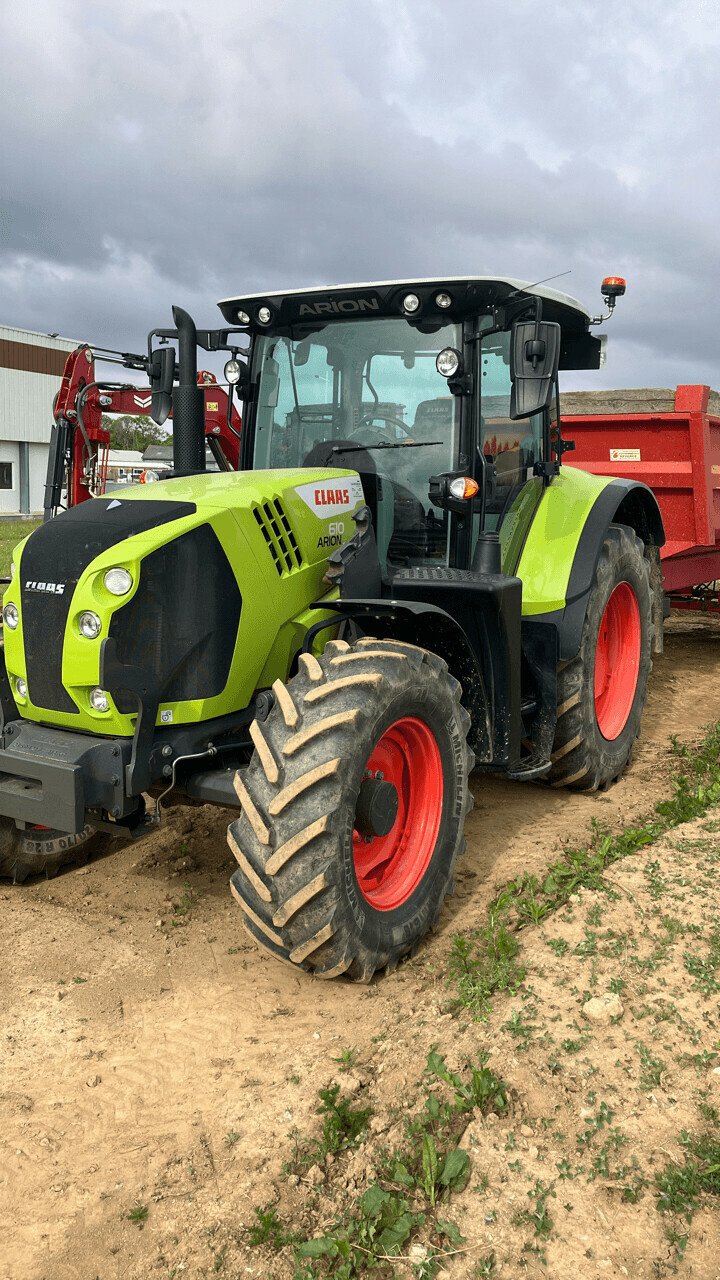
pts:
pixel 511 447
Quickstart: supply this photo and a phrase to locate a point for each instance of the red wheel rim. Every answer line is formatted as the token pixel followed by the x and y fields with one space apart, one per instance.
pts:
pixel 617 661
pixel 389 868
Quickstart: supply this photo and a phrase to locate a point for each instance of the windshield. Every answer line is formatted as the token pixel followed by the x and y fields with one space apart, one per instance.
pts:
pixel 366 395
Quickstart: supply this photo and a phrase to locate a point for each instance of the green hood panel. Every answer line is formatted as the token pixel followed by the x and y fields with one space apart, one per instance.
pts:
pixel 276 530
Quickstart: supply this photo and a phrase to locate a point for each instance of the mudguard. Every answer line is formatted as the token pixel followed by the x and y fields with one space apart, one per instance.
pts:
pixel 558 561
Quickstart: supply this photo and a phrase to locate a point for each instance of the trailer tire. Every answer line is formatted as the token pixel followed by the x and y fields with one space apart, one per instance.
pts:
pixel 601 692
pixel 340 871
pixel 40 851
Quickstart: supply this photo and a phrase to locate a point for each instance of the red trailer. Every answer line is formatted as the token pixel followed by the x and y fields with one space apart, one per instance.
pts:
pixel 670 440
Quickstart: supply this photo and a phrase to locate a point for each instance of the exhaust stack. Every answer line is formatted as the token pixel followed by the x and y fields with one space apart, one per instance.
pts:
pixel 188 402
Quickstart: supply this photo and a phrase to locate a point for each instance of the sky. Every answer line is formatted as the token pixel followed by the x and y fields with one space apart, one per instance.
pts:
pixel 154 153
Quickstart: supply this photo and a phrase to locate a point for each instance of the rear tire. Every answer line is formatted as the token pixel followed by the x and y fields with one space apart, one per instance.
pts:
pixel 313 889
pixel 40 851
pixel 601 692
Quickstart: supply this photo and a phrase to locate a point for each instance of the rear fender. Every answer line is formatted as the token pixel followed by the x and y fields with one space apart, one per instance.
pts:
pixel 561 552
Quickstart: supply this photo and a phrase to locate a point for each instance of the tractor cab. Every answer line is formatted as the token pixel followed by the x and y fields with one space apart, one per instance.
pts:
pixel 427 389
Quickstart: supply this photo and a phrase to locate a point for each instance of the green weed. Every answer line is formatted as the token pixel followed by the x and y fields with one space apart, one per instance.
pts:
pixel 138 1214
pixel 268 1230
pixel 705 969
pixel 347 1058
pixel 680 1188
pixel 483 964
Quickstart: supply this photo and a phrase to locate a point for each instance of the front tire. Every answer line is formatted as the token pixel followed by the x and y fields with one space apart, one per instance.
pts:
pixel 40 850
pixel 353 807
pixel 601 693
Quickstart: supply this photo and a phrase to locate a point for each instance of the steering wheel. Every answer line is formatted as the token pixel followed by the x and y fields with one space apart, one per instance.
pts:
pixel 368 419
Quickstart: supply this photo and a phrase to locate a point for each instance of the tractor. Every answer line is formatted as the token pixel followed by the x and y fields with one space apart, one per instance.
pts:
pixel 401 583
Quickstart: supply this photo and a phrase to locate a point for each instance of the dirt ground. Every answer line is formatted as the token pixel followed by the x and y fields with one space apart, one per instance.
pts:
pixel 152 1055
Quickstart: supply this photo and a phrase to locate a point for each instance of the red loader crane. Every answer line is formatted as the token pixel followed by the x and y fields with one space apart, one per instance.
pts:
pixel 80 443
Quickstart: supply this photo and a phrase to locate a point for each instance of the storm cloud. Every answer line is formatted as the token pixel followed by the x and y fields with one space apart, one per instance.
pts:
pixel 155 153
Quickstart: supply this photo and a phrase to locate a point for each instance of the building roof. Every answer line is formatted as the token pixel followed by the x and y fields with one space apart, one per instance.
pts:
pixel 11 333
pixel 158 453
pixel 125 458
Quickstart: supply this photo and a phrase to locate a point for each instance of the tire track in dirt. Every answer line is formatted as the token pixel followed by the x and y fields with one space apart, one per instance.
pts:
pixel 126 1085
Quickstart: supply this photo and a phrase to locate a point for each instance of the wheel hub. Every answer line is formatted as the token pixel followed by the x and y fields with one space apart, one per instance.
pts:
pixel 377 807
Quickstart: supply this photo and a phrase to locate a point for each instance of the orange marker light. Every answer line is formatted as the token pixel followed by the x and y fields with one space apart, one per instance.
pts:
pixel 613 286
pixel 464 487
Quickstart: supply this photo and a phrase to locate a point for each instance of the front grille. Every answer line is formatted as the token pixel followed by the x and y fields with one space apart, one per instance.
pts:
pixel 182 623
pixel 277 532
pixel 53 561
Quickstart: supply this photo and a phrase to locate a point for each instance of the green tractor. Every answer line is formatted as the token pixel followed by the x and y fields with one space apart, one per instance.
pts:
pixel 399 585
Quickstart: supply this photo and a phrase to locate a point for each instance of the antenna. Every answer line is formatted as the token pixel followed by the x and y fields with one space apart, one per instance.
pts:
pixel 526 288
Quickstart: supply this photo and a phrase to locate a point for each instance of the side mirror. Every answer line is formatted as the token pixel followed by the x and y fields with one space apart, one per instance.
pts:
pixel 534 359
pixel 162 376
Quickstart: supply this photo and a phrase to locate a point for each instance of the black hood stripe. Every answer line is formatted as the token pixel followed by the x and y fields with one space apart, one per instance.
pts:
pixel 57 554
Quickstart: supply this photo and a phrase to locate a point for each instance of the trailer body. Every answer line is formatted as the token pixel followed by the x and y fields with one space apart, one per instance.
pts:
pixel 670 441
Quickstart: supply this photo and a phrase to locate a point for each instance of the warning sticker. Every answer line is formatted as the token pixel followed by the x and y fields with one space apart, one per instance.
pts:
pixel 212 406
pixel 331 497
pixel 625 455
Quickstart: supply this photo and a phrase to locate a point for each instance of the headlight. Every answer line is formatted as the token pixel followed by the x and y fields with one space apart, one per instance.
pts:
pixel 99 700
pixel 21 687
pixel 118 582
pixel 448 362
pixel 11 617
pixel 243 317
pixel 264 315
pixel 233 371
pixel 443 300
pixel 90 625
pixel 411 303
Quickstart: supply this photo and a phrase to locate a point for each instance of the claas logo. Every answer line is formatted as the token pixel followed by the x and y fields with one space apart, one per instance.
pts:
pixel 331 497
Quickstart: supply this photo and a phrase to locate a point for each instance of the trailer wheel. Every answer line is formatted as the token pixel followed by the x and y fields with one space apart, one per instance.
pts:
pixel 40 850
pixel 601 693
pixel 352 808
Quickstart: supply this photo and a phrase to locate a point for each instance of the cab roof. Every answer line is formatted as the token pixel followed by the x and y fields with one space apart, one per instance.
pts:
pixel 500 286
pixel 469 295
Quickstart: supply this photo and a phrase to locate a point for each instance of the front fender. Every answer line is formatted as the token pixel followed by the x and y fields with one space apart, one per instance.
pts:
pixel 559 559
pixel 430 627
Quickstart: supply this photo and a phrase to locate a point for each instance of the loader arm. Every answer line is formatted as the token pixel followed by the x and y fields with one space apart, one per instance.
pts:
pixel 80 443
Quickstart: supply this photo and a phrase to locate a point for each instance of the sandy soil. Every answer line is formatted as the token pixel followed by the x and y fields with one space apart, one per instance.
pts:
pixel 152 1055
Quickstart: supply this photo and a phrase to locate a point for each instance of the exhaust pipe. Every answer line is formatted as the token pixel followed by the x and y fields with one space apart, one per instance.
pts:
pixel 188 402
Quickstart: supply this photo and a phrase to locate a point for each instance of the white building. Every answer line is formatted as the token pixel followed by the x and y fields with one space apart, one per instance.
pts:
pixel 31 366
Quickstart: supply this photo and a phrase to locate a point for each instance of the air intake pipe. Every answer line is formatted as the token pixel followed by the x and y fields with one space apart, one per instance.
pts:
pixel 188 402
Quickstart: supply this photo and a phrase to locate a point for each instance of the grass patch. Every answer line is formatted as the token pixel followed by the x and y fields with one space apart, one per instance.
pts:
pixel 12 532
pixel 408 1184
pixel 485 961
pixel 680 1188
pixel 482 964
